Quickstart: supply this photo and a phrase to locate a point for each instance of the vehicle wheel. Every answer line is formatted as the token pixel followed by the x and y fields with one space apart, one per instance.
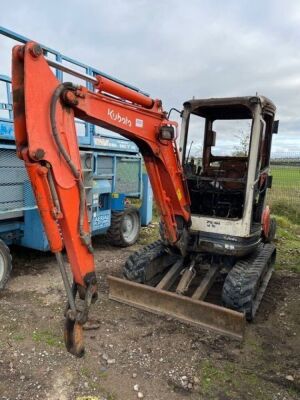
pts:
pixel 5 264
pixel 125 227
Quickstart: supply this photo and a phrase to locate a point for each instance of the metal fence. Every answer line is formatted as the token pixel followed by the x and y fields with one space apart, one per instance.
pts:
pixel 16 194
pixel 285 192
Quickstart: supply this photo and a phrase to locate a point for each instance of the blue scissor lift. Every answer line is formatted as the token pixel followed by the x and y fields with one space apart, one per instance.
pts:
pixel 112 168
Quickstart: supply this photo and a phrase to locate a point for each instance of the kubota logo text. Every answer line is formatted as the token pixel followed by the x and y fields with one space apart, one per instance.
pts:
pixel 116 116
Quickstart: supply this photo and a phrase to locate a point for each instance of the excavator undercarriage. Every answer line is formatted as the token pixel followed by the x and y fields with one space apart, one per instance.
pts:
pixel 175 290
pixel 199 290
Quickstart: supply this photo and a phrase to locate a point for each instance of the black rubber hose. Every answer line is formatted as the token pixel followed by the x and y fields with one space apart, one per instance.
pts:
pixel 85 237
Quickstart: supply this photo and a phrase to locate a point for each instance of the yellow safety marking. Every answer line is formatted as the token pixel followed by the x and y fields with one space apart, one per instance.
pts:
pixel 179 194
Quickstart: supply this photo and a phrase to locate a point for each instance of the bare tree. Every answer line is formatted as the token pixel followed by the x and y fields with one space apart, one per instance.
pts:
pixel 241 150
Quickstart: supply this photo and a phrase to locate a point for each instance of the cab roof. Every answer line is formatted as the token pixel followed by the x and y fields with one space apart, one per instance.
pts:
pixel 229 107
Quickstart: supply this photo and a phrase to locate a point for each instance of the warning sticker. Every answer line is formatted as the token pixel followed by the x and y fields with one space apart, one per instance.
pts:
pixel 101 141
pixel 139 123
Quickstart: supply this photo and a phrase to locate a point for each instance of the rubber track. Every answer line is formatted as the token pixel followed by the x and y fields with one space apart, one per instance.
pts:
pixel 139 263
pixel 242 282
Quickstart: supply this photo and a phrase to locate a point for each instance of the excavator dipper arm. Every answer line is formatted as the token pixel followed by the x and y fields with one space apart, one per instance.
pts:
pixel 46 140
pixel 44 112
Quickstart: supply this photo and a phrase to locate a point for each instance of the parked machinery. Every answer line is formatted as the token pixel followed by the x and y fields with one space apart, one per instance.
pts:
pixel 229 235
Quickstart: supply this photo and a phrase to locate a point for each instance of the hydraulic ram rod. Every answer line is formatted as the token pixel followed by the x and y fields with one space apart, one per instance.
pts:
pixel 107 85
pixel 71 71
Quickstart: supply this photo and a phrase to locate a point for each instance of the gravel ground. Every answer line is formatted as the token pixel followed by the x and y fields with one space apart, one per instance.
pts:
pixel 134 354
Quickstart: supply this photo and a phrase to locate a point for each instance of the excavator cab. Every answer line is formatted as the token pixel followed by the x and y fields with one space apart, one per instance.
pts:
pixel 229 178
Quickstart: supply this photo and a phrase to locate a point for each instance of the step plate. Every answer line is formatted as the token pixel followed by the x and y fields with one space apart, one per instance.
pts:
pixel 194 312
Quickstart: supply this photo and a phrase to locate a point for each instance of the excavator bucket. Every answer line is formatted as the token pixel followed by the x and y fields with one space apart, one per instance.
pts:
pixel 188 310
pixel 73 335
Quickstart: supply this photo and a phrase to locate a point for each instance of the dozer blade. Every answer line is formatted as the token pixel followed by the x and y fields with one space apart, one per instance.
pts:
pixel 185 309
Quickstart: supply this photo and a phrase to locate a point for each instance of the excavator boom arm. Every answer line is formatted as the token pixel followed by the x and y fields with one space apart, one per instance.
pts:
pixel 145 127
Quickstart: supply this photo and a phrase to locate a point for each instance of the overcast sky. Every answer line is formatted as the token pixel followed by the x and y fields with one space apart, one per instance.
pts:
pixel 175 50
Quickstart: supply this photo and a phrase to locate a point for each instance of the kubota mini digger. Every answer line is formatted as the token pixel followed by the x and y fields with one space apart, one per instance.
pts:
pixel 213 218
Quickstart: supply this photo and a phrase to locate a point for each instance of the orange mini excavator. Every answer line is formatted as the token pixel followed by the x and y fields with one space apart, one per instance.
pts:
pixel 214 218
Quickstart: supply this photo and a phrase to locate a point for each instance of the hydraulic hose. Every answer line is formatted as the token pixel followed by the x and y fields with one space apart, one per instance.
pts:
pixel 85 237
